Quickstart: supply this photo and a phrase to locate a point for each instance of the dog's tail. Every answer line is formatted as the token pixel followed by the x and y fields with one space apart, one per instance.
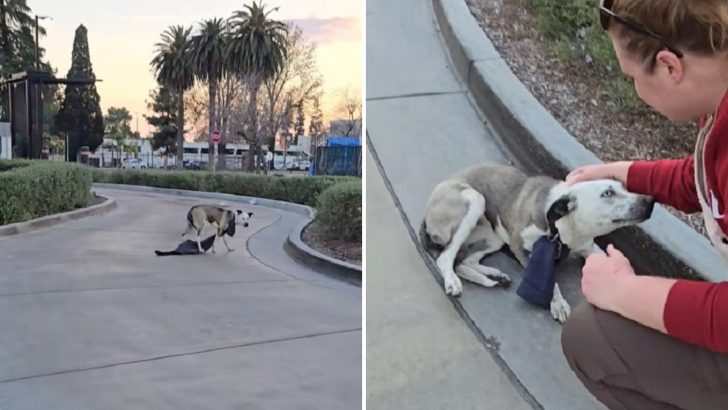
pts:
pixel 433 248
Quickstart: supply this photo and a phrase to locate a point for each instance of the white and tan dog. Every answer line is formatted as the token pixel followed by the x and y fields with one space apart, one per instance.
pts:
pixel 199 215
pixel 479 210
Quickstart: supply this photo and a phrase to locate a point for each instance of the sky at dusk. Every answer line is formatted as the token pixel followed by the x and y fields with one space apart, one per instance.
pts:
pixel 122 35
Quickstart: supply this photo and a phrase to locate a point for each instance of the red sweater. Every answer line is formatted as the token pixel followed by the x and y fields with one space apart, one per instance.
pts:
pixel 696 312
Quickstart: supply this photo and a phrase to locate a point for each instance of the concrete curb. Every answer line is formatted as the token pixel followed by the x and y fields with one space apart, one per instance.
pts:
pixel 663 245
pixel 52 220
pixel 294 246
pixel 303 253
pixel 304 210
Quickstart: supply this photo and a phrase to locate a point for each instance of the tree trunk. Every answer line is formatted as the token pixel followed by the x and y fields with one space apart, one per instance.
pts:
pixel 255 138
pixel 223 127
pixel 212 91
pixel 180 130
pixel 272 130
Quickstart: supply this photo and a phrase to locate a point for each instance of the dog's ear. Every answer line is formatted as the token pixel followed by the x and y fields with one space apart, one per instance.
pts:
pixel 250 214
pixel 562 207
pixel 238 211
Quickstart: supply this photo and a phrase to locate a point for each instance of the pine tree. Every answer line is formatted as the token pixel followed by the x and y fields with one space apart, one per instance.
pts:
pixel 80 114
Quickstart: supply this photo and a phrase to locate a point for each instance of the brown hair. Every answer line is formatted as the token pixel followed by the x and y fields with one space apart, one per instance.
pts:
pixel 698 26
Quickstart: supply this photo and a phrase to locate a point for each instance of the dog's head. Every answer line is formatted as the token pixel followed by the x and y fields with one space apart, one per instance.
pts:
pixel 242 218
pixel 596 208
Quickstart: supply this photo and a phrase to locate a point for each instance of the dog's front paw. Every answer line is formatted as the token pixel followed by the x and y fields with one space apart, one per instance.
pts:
pixel 560 309
pixel 453 286
pixel 231 250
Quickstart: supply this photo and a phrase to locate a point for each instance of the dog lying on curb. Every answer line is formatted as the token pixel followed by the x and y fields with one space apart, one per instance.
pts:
pixel 199 215
pixel 477 211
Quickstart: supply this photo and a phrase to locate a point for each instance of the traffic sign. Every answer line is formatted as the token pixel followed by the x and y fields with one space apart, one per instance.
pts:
pixel 216 137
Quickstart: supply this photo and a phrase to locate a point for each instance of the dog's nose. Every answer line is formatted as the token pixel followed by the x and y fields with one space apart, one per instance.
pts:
pixel 245 225
pixel 649 205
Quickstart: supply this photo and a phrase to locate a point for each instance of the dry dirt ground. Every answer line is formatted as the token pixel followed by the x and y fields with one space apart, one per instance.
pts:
pixel 342 250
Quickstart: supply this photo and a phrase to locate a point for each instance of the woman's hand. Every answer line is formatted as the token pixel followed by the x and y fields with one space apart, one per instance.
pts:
pixel 616 170
pixel 604 277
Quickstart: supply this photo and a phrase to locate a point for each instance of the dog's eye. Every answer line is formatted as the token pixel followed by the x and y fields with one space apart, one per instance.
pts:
pixel 608 193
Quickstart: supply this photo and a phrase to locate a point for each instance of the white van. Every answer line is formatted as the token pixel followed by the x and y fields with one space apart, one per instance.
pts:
pixel 295 158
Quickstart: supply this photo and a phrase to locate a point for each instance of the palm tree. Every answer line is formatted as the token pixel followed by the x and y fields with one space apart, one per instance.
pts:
pixel 257 48
pixel 209 64
pixel 173 69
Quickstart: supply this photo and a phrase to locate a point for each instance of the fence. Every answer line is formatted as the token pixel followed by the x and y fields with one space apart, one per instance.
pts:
pixel 338 161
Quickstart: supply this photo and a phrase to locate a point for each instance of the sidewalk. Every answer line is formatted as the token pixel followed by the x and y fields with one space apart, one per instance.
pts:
pixel 420 352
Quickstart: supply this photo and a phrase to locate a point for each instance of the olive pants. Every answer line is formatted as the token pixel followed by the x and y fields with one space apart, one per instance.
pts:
pixel 629 366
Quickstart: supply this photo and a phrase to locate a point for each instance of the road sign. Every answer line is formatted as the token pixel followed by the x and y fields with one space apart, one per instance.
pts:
pixel 216 137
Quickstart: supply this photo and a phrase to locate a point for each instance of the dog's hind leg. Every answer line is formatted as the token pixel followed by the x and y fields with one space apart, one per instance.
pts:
pixel 446 260
pixel 491 275
pixel 199 245
pixel 470 274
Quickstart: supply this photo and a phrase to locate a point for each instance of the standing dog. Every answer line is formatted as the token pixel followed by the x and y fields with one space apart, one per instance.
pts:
pixel 476 212
pixel 198 215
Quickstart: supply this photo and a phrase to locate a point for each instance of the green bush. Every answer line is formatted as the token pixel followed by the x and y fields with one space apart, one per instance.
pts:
pixel 300 190
pixel 6 165
pixel 339 212
pixel 33 189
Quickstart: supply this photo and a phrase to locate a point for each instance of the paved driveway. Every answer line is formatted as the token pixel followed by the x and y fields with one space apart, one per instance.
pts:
pixel 90 318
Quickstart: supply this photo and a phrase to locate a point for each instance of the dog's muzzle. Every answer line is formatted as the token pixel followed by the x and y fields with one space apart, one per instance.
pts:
pixel 642 210
pixel 648 205
pixel 245 225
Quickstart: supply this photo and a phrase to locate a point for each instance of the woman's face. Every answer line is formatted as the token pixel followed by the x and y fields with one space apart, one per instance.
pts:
pixel 665 88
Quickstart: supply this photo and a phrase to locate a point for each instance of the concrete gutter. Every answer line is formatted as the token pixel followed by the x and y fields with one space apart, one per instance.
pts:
pixel 293 246
pixel 52 220
pixel 664 245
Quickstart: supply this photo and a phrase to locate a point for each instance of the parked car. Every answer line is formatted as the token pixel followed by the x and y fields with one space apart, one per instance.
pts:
pixel 195 164
pixel 133 163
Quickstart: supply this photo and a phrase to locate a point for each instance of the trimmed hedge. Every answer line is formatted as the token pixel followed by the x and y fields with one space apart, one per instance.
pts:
pixel 33 189
pixel 300 190
pixel 6 165
pixel 339 212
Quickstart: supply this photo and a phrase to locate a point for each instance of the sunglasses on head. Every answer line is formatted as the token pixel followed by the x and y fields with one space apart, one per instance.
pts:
pixel 605 18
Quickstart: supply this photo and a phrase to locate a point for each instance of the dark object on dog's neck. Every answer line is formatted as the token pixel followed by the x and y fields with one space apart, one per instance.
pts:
pixel 539 277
